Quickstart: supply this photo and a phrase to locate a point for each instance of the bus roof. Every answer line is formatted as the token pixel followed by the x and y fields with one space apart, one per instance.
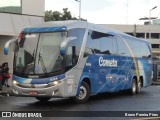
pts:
pixel 70 24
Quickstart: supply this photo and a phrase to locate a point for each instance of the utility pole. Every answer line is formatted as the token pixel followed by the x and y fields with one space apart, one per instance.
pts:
pixel 79 8
pixel 150 21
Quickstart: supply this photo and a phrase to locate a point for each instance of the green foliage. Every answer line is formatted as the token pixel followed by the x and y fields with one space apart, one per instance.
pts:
pixel 57 16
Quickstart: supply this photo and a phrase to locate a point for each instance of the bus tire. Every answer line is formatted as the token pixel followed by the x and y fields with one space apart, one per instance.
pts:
pixel 133 89
pixel 138 89
pixel 43 99
pixel 84 93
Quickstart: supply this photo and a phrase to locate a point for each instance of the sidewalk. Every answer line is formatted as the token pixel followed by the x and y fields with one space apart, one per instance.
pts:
pixel 7 90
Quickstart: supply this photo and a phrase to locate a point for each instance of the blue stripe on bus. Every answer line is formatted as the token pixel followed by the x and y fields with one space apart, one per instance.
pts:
pixel 38 80
pixel 44 29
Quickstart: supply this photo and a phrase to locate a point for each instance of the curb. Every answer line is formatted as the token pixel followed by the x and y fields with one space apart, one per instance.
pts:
pixel 6 92
pixel 155 83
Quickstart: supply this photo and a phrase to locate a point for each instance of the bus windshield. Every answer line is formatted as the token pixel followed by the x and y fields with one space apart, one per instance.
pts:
pixel 38 53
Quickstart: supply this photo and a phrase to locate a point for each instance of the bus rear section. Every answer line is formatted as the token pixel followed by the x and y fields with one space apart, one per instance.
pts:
pixel 117 62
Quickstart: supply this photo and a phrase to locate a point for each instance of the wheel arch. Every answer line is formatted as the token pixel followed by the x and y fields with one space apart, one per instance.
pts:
pixel 83 79
pixel 134 77
pixel 142 80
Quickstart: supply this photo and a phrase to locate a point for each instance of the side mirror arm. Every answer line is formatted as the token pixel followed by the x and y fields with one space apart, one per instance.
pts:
pixel 64 45
pixel 6 48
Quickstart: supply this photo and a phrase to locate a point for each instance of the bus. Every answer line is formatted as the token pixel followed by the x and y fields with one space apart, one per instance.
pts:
pixel 77 59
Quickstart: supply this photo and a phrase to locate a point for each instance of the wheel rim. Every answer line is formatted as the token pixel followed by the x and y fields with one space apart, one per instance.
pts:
pixel 134 88
pixel 83 93
pixel 139 86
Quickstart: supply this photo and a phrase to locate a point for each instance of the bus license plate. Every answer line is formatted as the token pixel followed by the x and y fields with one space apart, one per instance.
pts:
pixel 33 93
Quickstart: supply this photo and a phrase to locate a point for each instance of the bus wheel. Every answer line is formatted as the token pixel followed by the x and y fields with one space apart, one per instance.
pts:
pixel 138 89
pixel 133 89
pixel 43 99
pixel 84 93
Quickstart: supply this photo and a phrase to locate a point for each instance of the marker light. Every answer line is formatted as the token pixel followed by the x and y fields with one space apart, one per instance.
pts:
pixel 54 83
pixel 20 37
pixel 15 82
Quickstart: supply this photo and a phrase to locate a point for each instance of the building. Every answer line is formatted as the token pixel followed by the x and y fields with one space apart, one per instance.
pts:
pixel 150 32
pixel 15 15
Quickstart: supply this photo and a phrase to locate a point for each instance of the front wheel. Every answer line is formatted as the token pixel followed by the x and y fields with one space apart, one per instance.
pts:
pixel 43 99
pixel 84 93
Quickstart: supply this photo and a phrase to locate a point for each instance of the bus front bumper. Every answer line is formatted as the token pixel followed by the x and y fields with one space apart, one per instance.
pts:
pixel 39 90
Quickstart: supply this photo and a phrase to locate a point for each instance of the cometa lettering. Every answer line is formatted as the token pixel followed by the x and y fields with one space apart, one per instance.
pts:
pixel 108 63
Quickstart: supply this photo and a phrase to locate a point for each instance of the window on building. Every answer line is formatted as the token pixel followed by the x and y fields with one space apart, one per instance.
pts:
pixel 140 35
pixel 11 6
pixel 155 35
pixel 155 46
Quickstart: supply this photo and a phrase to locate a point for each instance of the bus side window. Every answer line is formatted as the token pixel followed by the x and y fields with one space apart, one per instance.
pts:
pixel 71 58
pixel 92 44
pixel 146 51
pixel 124 46
pixel 121 47
pixel 100 43
pixel 106 45
pixel 88 51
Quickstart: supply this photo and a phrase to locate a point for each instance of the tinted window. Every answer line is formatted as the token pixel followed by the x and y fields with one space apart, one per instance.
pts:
pixel 106 45
pixel 138 47
pixel 74 47
pixel 122 47
pixel 79 34
pixel 109 45
pixel 146 51
pixel 100 43
pixel 92 44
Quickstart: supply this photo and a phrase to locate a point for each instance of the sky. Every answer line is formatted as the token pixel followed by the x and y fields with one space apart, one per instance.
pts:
pixel 108 11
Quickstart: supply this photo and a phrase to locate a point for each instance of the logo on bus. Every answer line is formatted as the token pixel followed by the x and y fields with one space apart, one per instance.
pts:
pixel 108 63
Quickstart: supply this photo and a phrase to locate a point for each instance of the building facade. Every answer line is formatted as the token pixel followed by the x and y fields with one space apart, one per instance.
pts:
pixel 16 15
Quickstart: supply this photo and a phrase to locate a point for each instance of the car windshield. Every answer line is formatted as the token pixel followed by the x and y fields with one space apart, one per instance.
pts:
pixel 38 53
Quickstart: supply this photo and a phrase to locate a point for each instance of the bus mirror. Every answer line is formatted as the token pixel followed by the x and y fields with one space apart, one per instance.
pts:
pixel 64 44
pixel 6 48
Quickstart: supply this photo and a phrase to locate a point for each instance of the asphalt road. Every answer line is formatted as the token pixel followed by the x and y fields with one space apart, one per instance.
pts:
pixel 148 100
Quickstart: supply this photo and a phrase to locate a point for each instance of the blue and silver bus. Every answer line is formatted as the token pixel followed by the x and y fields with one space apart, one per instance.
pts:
pixel 77 59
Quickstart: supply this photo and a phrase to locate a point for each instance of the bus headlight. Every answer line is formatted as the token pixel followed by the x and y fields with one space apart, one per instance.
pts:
pixel 15 82
pixel 54 83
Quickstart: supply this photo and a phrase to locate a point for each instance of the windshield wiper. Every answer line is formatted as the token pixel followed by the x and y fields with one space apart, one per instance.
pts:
pixel 40 59
pixel 30 66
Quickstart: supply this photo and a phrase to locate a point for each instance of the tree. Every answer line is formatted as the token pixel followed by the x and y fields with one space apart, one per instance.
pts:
pixel 56 15
pixel 66 15
pixel 52 16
